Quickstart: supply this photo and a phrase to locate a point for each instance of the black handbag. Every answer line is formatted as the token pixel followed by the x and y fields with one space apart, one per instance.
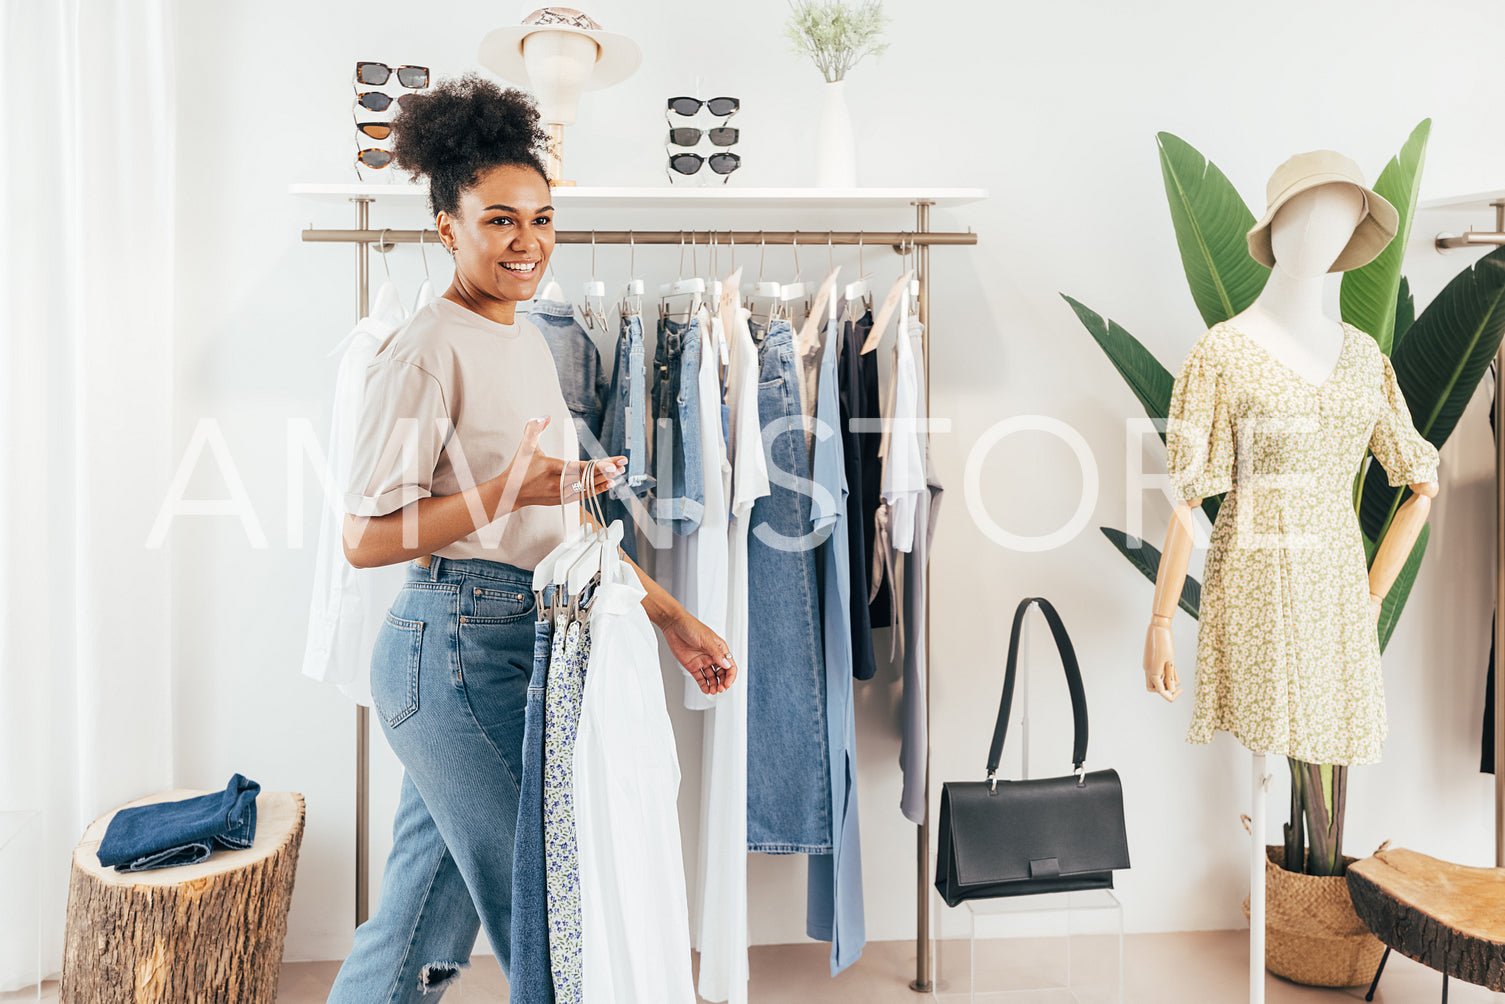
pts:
pixel 1019 838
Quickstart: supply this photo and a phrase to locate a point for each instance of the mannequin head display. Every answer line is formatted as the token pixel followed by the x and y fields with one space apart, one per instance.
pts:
pixel 1313 227
pixel 1321 218
pixel 559 52
pixel 478 147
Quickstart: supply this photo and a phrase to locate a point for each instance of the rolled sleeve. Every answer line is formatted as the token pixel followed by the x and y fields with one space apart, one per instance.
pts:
pixel 405 425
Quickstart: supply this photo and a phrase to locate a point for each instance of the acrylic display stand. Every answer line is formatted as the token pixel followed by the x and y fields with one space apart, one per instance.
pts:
pixel 1056 948
pixel 1059 948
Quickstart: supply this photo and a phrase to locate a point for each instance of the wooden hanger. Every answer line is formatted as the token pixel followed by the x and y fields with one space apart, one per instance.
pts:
pixel 886 311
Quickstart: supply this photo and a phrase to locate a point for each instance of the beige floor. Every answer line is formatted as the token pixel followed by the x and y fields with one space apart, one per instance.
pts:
pixel 1204 968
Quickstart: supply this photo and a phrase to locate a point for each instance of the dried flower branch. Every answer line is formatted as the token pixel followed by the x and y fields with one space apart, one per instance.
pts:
pixel 834 35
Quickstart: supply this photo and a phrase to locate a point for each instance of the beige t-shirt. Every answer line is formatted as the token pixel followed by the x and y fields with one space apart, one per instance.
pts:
pixel 446 399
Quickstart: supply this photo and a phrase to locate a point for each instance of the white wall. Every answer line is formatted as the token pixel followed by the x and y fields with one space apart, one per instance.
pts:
pixel 1053 107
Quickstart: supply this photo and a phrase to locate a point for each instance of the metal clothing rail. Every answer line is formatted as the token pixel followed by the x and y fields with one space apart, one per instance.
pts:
pixel 699 238
pixel 919 240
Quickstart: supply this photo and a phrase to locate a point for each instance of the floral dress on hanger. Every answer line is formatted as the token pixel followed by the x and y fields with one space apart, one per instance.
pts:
pixel 1287 652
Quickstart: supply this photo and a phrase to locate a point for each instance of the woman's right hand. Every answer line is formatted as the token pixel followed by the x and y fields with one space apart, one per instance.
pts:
pixel 535 478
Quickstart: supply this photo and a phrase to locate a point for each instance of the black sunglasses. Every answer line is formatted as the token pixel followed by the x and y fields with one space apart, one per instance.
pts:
pixel 379 101
pixel 376 74
pixel 690 163
pixel 718 106
pixel 689 135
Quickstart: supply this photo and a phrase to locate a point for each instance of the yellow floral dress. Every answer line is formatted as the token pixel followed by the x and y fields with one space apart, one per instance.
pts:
pixel 1287 654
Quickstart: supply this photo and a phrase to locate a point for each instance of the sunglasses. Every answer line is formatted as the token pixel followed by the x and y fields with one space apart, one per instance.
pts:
pixel 379 101
pixel 689 136
pixel 690 163
pixel 377 74
pixel 720 107
pixel 376 130
pixel 374 157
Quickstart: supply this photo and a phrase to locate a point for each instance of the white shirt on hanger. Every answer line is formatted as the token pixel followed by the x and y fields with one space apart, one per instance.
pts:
pixel 635 931
pixel 903 479
pixel 721 931
pixel 700 558
pixel 348 604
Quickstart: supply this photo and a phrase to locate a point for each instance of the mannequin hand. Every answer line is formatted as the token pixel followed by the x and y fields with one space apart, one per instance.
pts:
pixel 702 652
pixel 1376 604
pixel 534 478
pixel 1159 668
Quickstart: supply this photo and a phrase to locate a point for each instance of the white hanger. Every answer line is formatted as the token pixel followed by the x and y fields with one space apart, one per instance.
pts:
pixel 551 290
pixel 593 307
pixel 426 288
pixel 630 301
pixel 692 287
pixel 858 287
pixel 765 290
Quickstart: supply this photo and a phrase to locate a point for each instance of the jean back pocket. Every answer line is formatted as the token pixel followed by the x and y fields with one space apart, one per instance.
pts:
pixel 394 669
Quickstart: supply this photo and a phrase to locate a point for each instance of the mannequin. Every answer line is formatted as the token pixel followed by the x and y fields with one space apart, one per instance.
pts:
pixel 1307 234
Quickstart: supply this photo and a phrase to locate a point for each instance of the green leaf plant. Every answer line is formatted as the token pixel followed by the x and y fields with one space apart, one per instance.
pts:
pixel 1439 358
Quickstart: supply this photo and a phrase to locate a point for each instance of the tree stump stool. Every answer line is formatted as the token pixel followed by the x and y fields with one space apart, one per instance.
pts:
pixel 206 932
pixel 1448 917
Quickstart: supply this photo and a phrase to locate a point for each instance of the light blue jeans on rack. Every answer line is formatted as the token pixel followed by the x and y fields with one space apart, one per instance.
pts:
pixel 679 496
pixel 582 378
pixel 449 680
pixel 788 751
pixel 624 429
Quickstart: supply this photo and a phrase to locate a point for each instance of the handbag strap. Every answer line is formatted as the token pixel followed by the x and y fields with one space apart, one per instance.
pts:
pixel 1073 682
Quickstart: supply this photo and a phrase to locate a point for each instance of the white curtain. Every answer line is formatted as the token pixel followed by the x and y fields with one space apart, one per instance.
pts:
pixel 86 437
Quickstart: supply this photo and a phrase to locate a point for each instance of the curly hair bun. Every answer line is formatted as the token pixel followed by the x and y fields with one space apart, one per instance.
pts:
pixel 462 127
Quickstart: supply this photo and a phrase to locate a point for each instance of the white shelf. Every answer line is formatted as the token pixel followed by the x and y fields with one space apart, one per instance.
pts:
pixel 666 197
pixel 1474 200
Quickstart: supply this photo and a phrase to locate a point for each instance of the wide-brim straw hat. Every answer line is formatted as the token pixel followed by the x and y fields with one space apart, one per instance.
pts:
pixel 1324 167
pixel 617 56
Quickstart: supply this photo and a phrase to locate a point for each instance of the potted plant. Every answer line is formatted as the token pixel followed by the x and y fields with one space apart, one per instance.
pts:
pixel 1439 358
pixel 835 37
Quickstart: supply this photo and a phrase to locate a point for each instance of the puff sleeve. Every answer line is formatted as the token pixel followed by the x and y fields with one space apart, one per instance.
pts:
pixel 405 425
pixel 1199 429
pixel 1404 453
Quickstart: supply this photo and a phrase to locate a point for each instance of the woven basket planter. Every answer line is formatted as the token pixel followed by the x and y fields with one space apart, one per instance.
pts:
pixel 1312 934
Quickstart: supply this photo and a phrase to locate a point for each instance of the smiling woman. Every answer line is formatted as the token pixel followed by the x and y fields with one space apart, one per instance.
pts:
pixel 456 468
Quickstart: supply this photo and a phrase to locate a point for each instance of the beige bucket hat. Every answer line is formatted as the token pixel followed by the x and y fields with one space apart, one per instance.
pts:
pixel 1324 167
pixel 617 56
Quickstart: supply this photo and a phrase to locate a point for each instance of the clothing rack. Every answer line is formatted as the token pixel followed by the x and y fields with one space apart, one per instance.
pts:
pixel 919 241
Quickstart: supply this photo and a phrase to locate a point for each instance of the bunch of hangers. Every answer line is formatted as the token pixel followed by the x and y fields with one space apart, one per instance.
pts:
pixel 765 301
pixel 587 556
pixel 680 300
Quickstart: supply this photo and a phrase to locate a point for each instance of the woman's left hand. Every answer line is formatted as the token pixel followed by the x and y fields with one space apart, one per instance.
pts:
pixel 701 651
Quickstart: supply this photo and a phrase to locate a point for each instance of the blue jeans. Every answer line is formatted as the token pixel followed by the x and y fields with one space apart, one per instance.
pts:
pixel 624 428
pixel 530 981
pixel 449 680
pixel 679 496
pixel 788 752
pixel 582 378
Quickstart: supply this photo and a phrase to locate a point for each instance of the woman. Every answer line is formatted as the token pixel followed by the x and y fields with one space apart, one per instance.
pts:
pixel 460 469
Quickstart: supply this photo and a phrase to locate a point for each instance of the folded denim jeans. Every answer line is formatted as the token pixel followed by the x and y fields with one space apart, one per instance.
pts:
pixel 166 834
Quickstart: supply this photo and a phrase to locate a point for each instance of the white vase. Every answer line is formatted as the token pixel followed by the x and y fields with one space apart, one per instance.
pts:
pixel 835 152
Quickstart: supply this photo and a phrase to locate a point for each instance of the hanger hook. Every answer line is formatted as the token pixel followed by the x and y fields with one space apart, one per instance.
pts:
pixel 762 254
pixel 830 251
pixel 593 254
pixel 424 252
pixel 681 254
pixel 860 270
pixel 384 247
pixel 632 251
pixel 794 240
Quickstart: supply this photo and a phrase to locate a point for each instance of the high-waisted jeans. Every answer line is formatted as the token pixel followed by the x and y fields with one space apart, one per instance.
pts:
pixel 449 680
